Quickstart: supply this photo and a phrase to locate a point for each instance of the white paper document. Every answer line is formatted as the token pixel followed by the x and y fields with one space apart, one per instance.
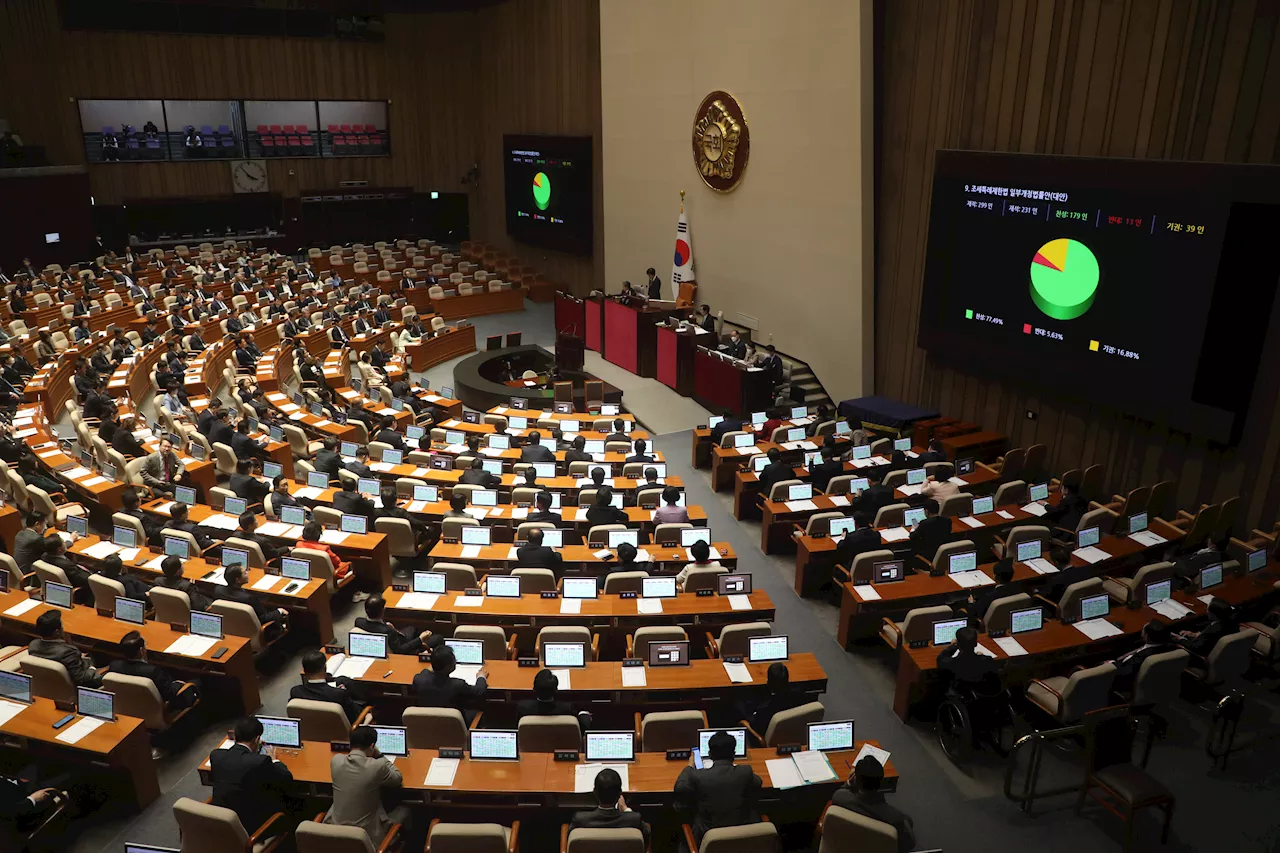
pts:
pixel 634 676
pixel 128 555
pixel 274 528
pixel 354 667
pixel 1035 509
pixel 570 606
pixel 800 506
pixel 881 755
pixel 1091 554
pixel 584 776
pixel 191 645
pixel 76 473
pixel 23 606
pixel 333 537
pixel 9 710
pixel 102 550
pixel 563 679
pixel 520 513
pixel 739 602
pixel 1171 609
pixel 266 582
pixel 418 600
pixel 468 673
pixel 813 766
pixel 1007 516
pixel 839 500
pixel 470 552
pixel 78 730
pixel 221 522
pixel 1041 566
pixel 643 556
pixel 219 576
pixel 968 580
pixel 866 592
pixel 468 601
pixel 648 606
pixel 957 481
pixel 441 772
pixel 94 481
pixel 1096 629
pixel 1146 537
pixel 738 673
pixel 783 773
pixel 747 451
pixel 895 534
pixel 972 522
pixel 305 493
pixel 1206 599
pixel 1010 646
pixel 911 489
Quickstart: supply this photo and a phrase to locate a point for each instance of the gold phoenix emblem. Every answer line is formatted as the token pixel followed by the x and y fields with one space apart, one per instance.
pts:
pixel 721 142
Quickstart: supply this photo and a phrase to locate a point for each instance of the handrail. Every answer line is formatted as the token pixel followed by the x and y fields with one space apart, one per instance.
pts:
pixel 1036 741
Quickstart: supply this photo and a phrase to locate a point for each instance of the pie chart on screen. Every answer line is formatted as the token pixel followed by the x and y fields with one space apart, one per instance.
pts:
pixel 541 190
pixel 1064 278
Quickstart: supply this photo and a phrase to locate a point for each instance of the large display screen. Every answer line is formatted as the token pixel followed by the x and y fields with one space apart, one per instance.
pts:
pixel 548 186
pixel 1141 285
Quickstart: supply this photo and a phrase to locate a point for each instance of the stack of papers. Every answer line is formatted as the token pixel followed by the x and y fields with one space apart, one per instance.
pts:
pixel 968 580
pixel 839 500
pixel 634 676
pixel 307 493
pixel 1036 509
pixel 983 650
pixel 470 552
pixel 468 601
pixel 94 481
pixel 79 729
pixel 476 512
pixel 1010 646
pixel 911 490
pixel 102 550
pixel 9 710
pixel 468 673
pixel 957 481
pixel 418 600
pixel 353 667
pixel 866 592
pixel 1091 554
pixel 1007 516
pixel 1146 537
pixel 23 606
pixel 563 679
pixel 1096 629
pixel 1171 609
pixel 570 606
pixel 333 537
pixel 584 776
pixel 266 582
pixel 783 773
pixel 441 772
pixel 971 521
pixel 747 451
pixel 813 766
pixel 895 534
pixel 221 522
pixel 191 645
pixel 1041 566
pixel 648 606
pixel 738 673
pixel 800 506
pixel 739 602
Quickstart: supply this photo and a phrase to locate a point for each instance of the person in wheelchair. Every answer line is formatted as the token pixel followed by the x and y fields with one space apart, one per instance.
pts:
pixel 976 707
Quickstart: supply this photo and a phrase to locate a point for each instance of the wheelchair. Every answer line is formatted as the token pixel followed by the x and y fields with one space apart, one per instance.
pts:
pixel 972 715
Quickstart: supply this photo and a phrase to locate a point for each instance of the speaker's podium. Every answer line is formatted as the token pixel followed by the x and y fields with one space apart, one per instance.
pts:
pixel 631 336
pixel 570 352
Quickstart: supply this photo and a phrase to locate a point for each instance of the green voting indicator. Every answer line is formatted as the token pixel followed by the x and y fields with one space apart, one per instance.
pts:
pixel 541 190
pixel 1064 278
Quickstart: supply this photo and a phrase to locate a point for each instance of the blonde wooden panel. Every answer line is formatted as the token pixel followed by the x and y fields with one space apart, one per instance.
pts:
pixel 1175 79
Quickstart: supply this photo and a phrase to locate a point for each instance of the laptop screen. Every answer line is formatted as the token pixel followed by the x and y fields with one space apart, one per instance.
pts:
pixel 78 524
pixel 734 584
pixel 499 442
pixel 758 418
pixel 271 470
pixel 915 476
pixel 235 506
pixel 841 526
pixel 206 624
pixel 830 735
pixel 432 582
pixel 362 645
pixel 1095 606
pixel 15 686
pixel 962 561
pixel 502 586
pixel 714 421
pixel 611 746
pixel 392 740
pixel 493 745
pixel 1158 591
pixel 964 466
pixel 354 524
pixel 454 436
pixel 414 432
pixel 517 422
pixel 984 505
pixel 125 537
pixel 570 425
pixel 467 652
pixel 747 440
pixel 1039 492
pixel 1030 619
pixel 660 587
pixel 912 517
pixel 234 557
pixel 281 731
pixel 862 451
pixel 800 492
pixel 764 649
pixel 580 588
pixel 57 594
pixel 689 535
pixel 544 469
pixel 1211 576
pixel 1030 550
pixel 1257 559
pixel 888 571
pixel 185 495
pixel 295 569
pixel 348 448
pixel 95 703
pixel 317 479
pixel 293 515
pixel 175 547
pixel 1137 522
pixel 130 610
pixel 560 655
pixel 739 737
pixel 593 446
pixel 675 653
pixel 474 534
pixel 368 485
pixel 484 497
pixel 429 494
pixel 1088 537
pixel 944 632
pixel 617 537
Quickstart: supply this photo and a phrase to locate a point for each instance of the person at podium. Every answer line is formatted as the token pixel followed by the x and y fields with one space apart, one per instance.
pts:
pixel 654 285
pixel 735 346
pixel 705 320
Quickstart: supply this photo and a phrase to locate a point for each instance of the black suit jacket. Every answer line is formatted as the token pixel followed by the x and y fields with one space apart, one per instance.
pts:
pixel 246 447
pixel 478 477
pixel 221 431
pixel 538 515
pixel 249 487
pixel 265 612
pixel 602 818
pixel 329 462
pixel 536 453
pixel 164 682
pixel 391 437
pixel 858 542
pixel 774 472
pixel 929 534
pixel 872 804
pixel 325 691
pixel 407 643
pixel 353 503
pixel 248 783
pixel 432 691
pixel 873 498
pixel 722 795
pixel 820 475
pixel 539 557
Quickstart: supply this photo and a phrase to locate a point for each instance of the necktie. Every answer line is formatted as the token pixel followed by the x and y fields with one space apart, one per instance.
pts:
pixel 168 470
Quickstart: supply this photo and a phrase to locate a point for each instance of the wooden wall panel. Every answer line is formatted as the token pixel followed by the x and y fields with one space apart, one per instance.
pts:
pixel 1165 79
pixel 539 68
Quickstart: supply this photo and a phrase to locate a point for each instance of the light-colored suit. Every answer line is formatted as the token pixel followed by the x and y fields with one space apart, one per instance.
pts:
pixel 152 470
pixel 358 781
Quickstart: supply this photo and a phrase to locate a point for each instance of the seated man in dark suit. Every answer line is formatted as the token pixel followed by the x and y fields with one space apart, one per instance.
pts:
pixel 932 530
pixel 318 686
pixel 244 446
pixel 391 508
pixel 545 702
pixel 543 511
pixel 220 431
pixel 775 472
pixel 477 476
pixel 781 698
pixel 388 435
pixel 55 554
pixel 350 502
pixel 721 794
pixel 235 591
pixel 245 485
pixel 247 781
pixel 963 662
pixel 437 688
pixel 875 496
pixel 179 520
pixel 576 451
pixel 535 452
pixel 640 455
pixel 830 466
pixel 981 599
pixel 328 460
pixel 535 555
pixel 730 424
pixel 25 804
pixel 134 588
pixel 1156 639
pixel 406 642
pixel 51 644
pixel 862 794
pixel 248 531
pixel 611 811
pixel 858 541
pixel 935 453
pixel 1070 508
pixel 176 695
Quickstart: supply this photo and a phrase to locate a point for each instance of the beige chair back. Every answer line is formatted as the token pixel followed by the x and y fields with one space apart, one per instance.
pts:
pixel 861 570
pixel 585 840
pixel 891 515
pixel 119 519
pixel 663 730
pixel 535 581
pixel 451 528
pixel 792 725
pixel 703 577
pixel 733 638
pixel 564 634
pixel 549 733
pixel 620 582
pixel 956 506
pixel 1086 690
pixel 647 634
pixel 105 591
pixel 136 697
pixel 493 637
pixel 942 556
pixel 998 612
pixel 457 576
pixel 313 837
pixel 172 606
pixel 844 830
pixel 321 565
pixel 467 838
pixel 918 624
pixel 257 559
pixel 434 728
pixel 209 829
pixel 1159 679
pixel 49 679
pixel 1069 604
pixel 1014 491
pixel 239 620
pixel 49 573
pixel 1229 658
pixel 749 838
pixel 322 721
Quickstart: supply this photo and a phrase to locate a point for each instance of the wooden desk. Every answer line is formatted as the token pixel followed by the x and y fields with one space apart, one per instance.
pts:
pixel 10 524
pixel 984 445
pixel 727 461
pixel 484 429
pixel 538 780
pixel 611 611
pixel 675 356
pixel 123 746
pixel 858 617
pixel 720 384
pixel 503 556
pixel 450 343
pixel 475 305
pixel 102 634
